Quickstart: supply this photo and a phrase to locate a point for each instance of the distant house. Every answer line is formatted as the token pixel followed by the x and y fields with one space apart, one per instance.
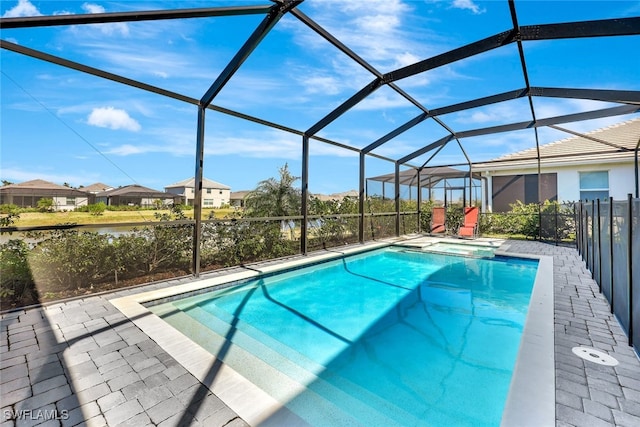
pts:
pixel 598 165
pixel 26 194
pixel 136 195
pixel 96 188
pixel 214 194
pixel 337 197
pixel 236 199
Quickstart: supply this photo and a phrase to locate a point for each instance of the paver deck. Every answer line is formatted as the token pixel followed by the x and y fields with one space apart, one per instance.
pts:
pixel 82 362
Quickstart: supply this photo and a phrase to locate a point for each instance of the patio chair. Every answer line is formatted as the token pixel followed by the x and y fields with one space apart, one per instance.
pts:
pixel 470 226
pixel 438 220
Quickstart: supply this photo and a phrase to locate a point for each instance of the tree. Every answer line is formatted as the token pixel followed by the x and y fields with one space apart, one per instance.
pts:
pixel 45 205
pixel 275 197
pixel 97 209
pixel 5 182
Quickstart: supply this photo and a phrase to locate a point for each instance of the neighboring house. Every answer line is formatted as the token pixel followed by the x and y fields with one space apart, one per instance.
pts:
pixel 136 195
pixel 96 188
pixel 214 194
pixel 597 165
pixel 337 197
pixel 26 194
pixel 236 198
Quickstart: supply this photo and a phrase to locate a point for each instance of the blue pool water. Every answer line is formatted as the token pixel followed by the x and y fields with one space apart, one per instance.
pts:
pixel 388 337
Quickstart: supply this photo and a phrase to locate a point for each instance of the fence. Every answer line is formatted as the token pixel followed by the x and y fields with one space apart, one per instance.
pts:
pixel 549 222
pixel 609 242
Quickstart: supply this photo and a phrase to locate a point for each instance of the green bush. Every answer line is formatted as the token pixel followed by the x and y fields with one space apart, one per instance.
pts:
pixel 234 242
pixel 97 209
pixel 9 208
pixel 525 220
pixel 45 205
pixel 16 280
pixel 70 259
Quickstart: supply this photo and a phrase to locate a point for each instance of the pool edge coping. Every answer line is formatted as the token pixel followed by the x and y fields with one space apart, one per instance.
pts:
pixel 531 397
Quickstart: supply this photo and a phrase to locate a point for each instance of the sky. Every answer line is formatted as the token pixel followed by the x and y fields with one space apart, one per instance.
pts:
pixel 65 126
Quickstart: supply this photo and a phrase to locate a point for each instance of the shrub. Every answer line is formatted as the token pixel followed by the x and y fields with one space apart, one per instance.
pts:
pixel 45 205
pixel 97 209
pixel 16 280
pixel 70 259
pixel 9 208
pixel 237 242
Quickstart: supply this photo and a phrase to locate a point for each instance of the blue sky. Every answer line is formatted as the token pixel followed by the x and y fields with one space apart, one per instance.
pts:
pixel 64 126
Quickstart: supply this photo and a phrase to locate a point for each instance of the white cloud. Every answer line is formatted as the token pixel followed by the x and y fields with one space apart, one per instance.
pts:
pixel 107 29
pixel 468 5
pixel 23 8
pixel 377 30
pixel 112 118
pixel 323 84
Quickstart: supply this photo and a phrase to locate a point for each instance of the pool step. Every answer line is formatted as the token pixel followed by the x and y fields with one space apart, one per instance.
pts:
pixel 292 379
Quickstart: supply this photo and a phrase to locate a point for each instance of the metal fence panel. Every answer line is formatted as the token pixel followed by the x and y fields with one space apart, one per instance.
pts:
pixel 605 239
pixel 621 263
pixel 635 282
pixel 588 236
pixel 597 244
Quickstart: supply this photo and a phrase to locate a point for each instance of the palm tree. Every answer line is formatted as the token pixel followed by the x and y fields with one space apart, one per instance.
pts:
pixel 273 197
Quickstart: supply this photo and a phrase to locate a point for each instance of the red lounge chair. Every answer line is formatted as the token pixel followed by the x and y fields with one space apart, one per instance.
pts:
pixel 438 220
pixel 470 226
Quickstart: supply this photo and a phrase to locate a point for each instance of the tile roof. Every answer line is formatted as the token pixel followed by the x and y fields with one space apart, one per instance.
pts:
pixel 42 188
pixel 206 183
pixel 617 142
pixel 96 187
pixel 134 191
pixel 37 184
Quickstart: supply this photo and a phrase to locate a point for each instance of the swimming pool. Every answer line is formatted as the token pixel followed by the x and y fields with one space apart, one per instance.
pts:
pixel 431 341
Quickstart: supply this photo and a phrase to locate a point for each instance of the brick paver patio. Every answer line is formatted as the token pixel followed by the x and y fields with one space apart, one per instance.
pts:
pixel 81 362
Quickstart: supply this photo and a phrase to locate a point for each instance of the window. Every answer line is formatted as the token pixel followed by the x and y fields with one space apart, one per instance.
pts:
pixel 220 191
pixel 71 201
pixel 208 202
pixel 208 191
pixel 594 185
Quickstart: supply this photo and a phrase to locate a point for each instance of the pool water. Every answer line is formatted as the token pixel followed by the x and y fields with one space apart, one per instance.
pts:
pixel 389 337
pixel 461 249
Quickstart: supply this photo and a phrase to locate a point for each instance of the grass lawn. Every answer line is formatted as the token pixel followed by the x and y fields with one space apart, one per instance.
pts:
pixel 30 219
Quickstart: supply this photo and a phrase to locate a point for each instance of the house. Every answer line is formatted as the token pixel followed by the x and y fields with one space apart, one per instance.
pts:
pixel 336 197
pixel 26 195
pixel 136 195
pixel 236 198
pixel 214 194
pixel 596 165
pixel 96 188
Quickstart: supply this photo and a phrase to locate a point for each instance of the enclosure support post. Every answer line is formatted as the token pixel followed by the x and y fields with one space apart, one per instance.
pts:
pixel 593 240
pixel 635 168
pixel 305 194
pixel 630 264
pixel 611 239
pixel 197 183
pixel 362 195
pixel 397 197
pixel 419 199
pixel 470 185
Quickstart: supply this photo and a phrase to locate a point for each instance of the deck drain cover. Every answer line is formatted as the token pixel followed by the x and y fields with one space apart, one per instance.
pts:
pixel 593 355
